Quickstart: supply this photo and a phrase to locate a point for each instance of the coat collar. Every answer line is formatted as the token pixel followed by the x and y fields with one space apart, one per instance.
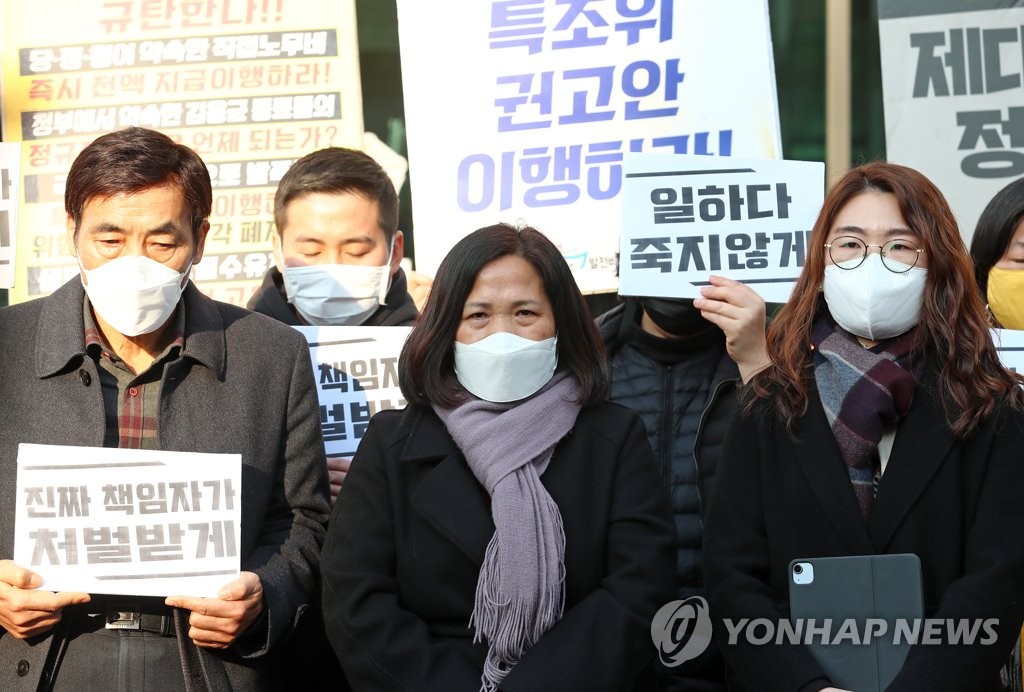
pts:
pixel 448 496
pixel 60 334
pixel 205 333
pixel 271 300
pixel 61 330
pixel 818 455
pixel 922 443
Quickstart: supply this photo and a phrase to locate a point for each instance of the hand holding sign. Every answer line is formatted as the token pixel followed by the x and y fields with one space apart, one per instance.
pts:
pixel 26 612
pixel 739 312
pixel 217 622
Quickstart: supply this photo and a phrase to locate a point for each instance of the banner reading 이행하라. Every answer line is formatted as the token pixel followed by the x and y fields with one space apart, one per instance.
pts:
pixel 522 110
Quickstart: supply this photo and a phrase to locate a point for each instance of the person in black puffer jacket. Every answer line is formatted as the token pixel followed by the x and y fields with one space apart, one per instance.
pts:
pixel 678 366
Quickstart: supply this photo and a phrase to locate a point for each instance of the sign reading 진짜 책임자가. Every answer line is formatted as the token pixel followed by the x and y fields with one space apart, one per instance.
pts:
pixel 128 521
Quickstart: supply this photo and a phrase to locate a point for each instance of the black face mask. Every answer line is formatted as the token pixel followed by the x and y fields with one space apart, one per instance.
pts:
pixel 677 316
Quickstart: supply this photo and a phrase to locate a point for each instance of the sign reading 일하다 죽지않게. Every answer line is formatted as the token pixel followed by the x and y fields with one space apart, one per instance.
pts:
pixel 685 218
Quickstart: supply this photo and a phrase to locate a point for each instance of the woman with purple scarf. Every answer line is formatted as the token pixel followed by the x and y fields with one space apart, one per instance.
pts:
pixel 885 424
pixel 507 530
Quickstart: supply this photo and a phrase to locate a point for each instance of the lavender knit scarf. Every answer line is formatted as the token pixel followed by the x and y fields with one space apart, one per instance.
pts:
pixel 864 393
pixel 520 593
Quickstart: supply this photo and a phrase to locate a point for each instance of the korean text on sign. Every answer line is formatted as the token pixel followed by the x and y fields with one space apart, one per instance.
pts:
pixel 687 217
pixel 128 521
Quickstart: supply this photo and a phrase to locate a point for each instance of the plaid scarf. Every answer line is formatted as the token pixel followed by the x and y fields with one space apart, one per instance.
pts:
pixel 865 391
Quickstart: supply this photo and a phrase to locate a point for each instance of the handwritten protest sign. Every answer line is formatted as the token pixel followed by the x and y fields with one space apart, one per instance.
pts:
pixel 685 218
pixel 356 371
pixel 128 521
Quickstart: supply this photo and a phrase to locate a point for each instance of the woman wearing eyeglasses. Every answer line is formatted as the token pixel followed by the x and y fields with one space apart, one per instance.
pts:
pixel 885 424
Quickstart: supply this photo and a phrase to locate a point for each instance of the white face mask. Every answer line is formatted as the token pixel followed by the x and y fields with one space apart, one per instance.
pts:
pixel 134 294
pixel 873 302
pixel 337 294
pixel 505 367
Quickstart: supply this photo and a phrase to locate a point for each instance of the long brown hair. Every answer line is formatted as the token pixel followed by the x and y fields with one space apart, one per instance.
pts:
pixel 952 332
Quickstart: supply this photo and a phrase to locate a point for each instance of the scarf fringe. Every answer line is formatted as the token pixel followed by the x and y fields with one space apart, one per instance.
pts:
pixel 513 623
pixel 520 591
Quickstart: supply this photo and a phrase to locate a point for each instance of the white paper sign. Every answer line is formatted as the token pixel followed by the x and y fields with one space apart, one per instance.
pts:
pixel 952 76
pixel 356 371
pixel 685 218
pixel 521 110
pixel 128 521
pixel 1010 345
pixel 10 177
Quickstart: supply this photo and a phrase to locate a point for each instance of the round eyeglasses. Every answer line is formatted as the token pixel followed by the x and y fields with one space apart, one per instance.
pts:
pixel 898 255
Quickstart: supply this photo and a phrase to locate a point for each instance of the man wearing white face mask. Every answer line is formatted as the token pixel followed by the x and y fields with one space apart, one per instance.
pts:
pixel 337 246
pixel 338 252
pixel 131 354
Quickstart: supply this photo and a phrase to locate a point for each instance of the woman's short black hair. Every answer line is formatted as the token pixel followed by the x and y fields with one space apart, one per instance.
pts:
pixel 994 231
pixel 427 363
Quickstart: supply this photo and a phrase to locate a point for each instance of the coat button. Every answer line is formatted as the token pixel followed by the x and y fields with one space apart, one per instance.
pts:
pixel 86 377
pixel 22 668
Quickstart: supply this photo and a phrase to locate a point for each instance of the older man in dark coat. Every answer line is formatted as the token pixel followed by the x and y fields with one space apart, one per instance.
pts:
pixel 132 355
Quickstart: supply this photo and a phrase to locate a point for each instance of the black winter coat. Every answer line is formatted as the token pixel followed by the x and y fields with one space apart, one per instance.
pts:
pixel 685 407
pixel 954 503
pixel 409 533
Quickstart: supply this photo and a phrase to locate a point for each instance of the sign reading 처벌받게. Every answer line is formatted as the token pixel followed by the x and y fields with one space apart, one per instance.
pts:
pixel 356 371
pixel 685 218
pixel 128 521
